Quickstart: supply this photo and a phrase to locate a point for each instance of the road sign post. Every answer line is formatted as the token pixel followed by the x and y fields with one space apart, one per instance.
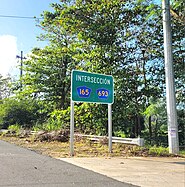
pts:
pixel 72 129
pixel 110 126
pixel 92 88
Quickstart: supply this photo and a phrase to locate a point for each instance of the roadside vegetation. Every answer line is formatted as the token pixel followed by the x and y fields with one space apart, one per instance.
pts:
pixel 56 144
pixel 120 38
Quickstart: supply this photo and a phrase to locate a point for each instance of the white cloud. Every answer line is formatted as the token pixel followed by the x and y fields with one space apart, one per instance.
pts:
pixel 8 52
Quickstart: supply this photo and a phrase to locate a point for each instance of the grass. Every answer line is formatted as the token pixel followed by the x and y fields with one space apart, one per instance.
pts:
pixel 182 152
pixel 86 148
pixel 158 151
pixel 14 128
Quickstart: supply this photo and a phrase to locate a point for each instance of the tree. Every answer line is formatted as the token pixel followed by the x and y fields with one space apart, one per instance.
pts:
pixel 177 10
pixel 47 76
pixel 107 38
pixel 4 87
pixel 115 37
pixel 48 70
pixel 178 28
pixel 156 122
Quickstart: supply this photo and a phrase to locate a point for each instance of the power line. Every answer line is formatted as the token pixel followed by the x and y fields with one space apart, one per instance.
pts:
pixel 19 17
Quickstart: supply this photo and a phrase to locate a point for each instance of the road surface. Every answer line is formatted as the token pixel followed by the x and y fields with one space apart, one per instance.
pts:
pixel 20 167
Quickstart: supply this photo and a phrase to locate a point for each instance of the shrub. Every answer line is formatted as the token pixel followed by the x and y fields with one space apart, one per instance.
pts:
pixel 158 151
pixel 14 129
pixel 14 111
pixel 120 134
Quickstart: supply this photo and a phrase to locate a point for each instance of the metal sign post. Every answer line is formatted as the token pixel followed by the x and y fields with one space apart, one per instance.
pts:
pixel 110 127
pixel 72 130
pixel 92 88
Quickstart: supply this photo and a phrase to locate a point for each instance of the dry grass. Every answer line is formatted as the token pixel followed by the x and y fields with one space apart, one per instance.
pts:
pixel 82 148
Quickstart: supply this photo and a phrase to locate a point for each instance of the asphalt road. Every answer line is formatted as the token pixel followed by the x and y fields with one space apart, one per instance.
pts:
pixel 25 168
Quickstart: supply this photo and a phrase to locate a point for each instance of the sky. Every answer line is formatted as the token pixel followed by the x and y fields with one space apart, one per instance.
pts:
pixel 18 34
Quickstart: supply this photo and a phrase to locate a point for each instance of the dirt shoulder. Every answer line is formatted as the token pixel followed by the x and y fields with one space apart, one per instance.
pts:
pixel 83 147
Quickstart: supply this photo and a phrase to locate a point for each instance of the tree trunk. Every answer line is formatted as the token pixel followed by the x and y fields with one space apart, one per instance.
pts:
pixel 150 128
pixel 156 132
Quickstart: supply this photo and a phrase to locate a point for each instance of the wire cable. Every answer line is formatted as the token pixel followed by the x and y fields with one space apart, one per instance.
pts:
pixel 19 17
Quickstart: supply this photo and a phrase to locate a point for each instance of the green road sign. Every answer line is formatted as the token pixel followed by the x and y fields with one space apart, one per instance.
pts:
pixel 92 87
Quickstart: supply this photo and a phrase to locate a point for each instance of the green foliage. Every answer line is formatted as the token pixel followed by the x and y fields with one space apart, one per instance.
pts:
pixel 156 132
pixel 182 152
pixel 46 126
pixel 106 32
pixel 120 134
pixel 178 10
pixel 4 87
pixel 14 111
pixel 37 127
pixel 60 119
pixel 181 126
pixel 14 128
pixel 121 38
pixel 158 151
pixel 54 122
pixel 50 126
pixel 47 77
pixel 91 118
pixel 178 28
pixel 87 120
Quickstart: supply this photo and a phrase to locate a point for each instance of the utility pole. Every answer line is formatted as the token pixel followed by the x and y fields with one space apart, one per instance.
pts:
pixel 21 57
pixel 173 140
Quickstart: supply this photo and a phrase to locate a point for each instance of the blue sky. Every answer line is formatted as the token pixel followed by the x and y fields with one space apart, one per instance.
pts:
pixel 17 34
